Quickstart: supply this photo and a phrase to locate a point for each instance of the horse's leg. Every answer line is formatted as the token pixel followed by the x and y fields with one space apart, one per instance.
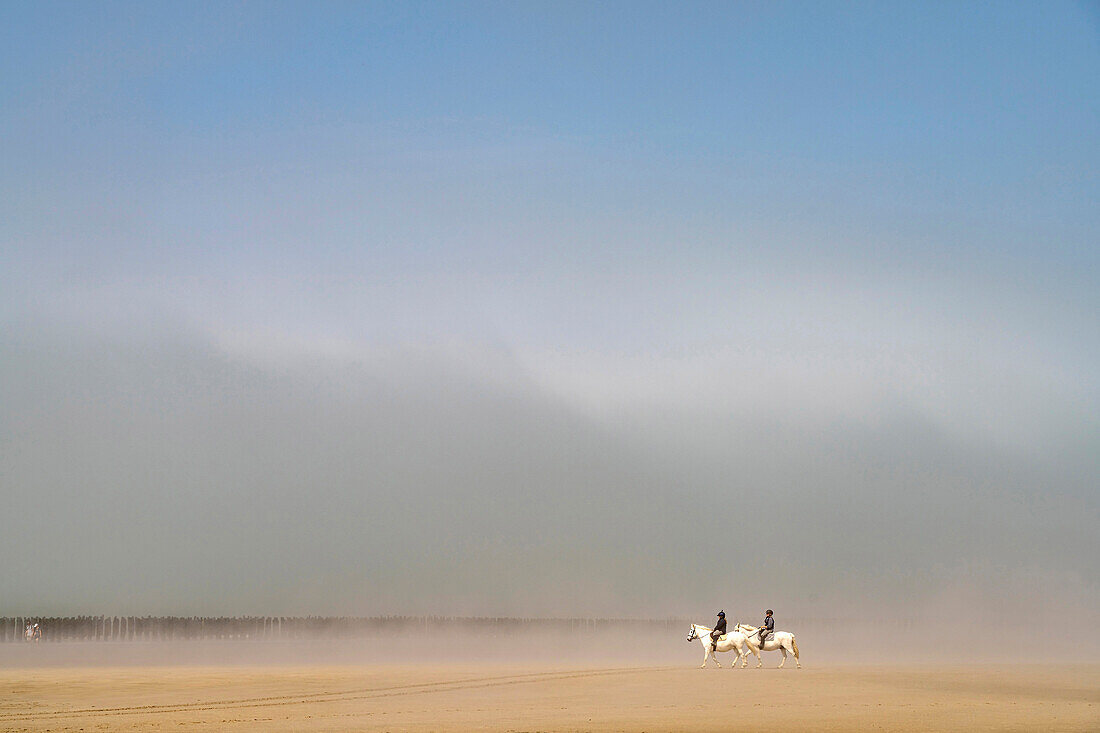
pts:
pixel 715 653
pixel 706 653
pixel 783 651
pixel 788 648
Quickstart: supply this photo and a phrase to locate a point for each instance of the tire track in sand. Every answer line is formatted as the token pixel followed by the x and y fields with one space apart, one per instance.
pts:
pixel 366 693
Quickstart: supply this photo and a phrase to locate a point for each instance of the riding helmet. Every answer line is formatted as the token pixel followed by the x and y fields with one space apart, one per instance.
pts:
pixel 721 614
pixel 769 610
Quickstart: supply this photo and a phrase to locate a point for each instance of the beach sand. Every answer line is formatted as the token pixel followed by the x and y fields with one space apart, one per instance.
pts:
pixel 493 697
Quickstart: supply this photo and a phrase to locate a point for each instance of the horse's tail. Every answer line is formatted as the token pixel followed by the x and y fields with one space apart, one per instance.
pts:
pixel 795 645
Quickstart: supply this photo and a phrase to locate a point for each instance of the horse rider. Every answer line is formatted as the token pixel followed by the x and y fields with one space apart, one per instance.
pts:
pixel 719 629
pixel 768 627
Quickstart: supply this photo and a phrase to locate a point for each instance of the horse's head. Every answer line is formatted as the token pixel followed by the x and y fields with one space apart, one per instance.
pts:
pixel 694 633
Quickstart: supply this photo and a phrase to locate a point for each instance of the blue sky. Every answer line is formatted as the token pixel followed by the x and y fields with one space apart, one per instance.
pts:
pixel 693 231
pixel 979 116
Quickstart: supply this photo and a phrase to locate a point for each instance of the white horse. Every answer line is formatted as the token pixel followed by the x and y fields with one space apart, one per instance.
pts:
pixel 779 640
pixel 733 641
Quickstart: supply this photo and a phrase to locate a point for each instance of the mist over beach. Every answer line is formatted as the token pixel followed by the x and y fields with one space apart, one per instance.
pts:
pixel 164 475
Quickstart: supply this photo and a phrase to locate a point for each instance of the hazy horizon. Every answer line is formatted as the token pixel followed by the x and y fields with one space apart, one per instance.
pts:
pixel 484 309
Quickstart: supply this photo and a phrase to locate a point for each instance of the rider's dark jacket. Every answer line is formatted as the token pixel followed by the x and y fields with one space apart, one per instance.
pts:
pixel 719 628
pixel 769 623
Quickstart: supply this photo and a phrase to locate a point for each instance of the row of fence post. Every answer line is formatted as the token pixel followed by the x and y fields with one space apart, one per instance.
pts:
pixel 172 628
pixel 140 628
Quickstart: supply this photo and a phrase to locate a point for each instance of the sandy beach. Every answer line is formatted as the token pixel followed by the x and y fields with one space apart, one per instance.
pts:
pixel 516 698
